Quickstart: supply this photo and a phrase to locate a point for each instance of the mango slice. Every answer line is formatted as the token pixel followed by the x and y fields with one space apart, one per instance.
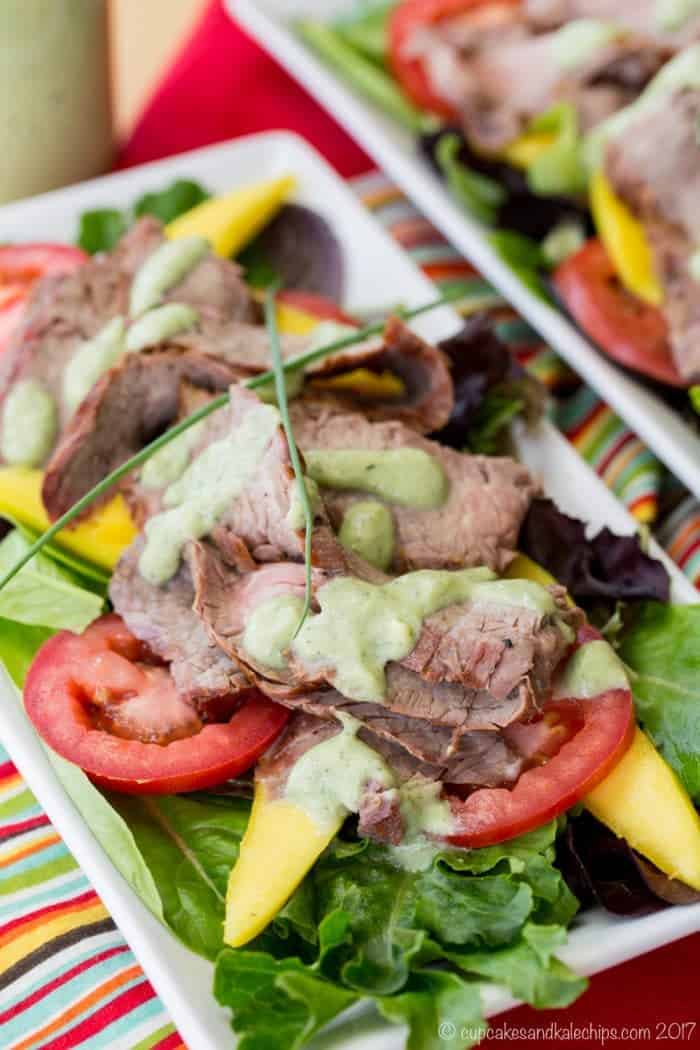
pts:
pixel 625 241
pixel 229 222
pixel 293 321
pixel 281 844
pixel 524 151
pixel 643 801
pixel 100 539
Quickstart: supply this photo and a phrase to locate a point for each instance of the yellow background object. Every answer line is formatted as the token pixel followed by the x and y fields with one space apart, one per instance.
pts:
pixel 644 802
pixel 625 241
pixel 280 845
pixel 100 539
pixel 229 222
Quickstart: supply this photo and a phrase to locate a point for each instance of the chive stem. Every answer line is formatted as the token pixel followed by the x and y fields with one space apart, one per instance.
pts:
pixel 283 406
pixel 293 365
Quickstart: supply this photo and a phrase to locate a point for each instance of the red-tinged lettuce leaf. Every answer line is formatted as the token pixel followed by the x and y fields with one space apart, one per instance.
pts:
pixel 491 388
pixel 605 567
pixel 601 869
pixel 299 249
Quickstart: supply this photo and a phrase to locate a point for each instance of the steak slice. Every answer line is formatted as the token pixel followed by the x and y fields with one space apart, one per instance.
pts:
pixel 639 16
pixel 67 309
pixel 480 520
pixel 164 619
pixel 653 166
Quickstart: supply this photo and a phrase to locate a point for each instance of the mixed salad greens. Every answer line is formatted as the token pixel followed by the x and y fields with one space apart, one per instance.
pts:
pixel 345 919
pixel 570 130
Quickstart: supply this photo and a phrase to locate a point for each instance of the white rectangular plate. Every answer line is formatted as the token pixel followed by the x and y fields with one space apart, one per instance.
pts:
pixel 377 273
pixel 394 150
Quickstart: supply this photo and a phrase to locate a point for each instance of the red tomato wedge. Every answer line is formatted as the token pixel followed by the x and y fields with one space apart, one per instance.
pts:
pixel 20 266
pixel 410 16
pixel 597 733
pixel 631 332
pixel 315 305
pixel 103 701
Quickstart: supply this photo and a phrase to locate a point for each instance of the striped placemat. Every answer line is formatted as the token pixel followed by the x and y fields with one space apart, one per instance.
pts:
pixel 67 977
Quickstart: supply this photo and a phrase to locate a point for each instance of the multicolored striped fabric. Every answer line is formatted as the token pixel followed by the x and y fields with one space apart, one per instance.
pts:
pixel 67 977
pixel 614 451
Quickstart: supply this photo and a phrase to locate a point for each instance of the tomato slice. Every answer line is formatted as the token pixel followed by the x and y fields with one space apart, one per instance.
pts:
pixel 406 18
pixel 103 701
pixel 315 305
pixel 20 266
pixel 598 731
pixel 628 330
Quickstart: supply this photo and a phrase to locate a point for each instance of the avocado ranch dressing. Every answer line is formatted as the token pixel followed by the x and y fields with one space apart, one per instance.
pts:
pixel 673 14
pixel 328 781
pixel 578 41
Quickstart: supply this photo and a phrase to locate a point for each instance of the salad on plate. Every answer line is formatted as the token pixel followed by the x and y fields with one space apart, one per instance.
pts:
pixel 360 713
pixel 570 128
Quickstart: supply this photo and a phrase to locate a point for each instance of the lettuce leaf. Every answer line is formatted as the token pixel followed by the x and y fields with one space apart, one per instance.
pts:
pixel 102 228
pixel 661 650
pixel 44 594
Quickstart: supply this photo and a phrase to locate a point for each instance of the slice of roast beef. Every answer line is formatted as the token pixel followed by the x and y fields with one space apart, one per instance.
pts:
pixel 67 309
pixel 498 72
pixel 480 519
pixel 164 619
pixel 645 18
pixel 653 166
pixel 130 406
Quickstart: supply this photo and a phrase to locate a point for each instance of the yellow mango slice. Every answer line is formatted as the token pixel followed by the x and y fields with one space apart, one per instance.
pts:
pixel 280 845
pixel 229 222
pixel 643 801
pixel 384 386
pixel 525 150
pixel 100 539
pixel 625 241
pixel 293 321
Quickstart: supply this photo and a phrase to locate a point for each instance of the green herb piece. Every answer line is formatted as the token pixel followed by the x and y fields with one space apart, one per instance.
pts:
pixel 100 230
pixel 367 31
pixel 44 594
pixel 560 168
pixel 661 650
pixel 102 487
pixel 283 405
pixel 480 195
pixel 694 393
pixel 167 204
pixel 524 256
pixel 501 405
pixel 362 73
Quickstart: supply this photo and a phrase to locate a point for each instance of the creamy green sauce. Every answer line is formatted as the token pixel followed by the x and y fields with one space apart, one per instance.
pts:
pixel 197 499
pixel 578 41
pixel 295 515
pixel 673 14
pixel 408 476
pixel 368 530
pixel 160 324
pixel 29 424
pixel 328 780
pixel 163 269
pixel 681 71
pixel 363 626
pixel 424 813
pixel 170 462
pixel 591 670
pixel 694 265
pixel 270 628
pixel 91 360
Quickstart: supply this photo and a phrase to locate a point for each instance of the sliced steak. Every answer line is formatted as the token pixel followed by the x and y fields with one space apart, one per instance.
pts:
pixel 67 309
pixel 498 72
pixel 478 523
pixel 641 17
pixel 653 166
pixel 130 406
pixel 163 617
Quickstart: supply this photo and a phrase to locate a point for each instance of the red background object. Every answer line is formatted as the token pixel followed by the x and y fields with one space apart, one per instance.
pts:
pixel 223 85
